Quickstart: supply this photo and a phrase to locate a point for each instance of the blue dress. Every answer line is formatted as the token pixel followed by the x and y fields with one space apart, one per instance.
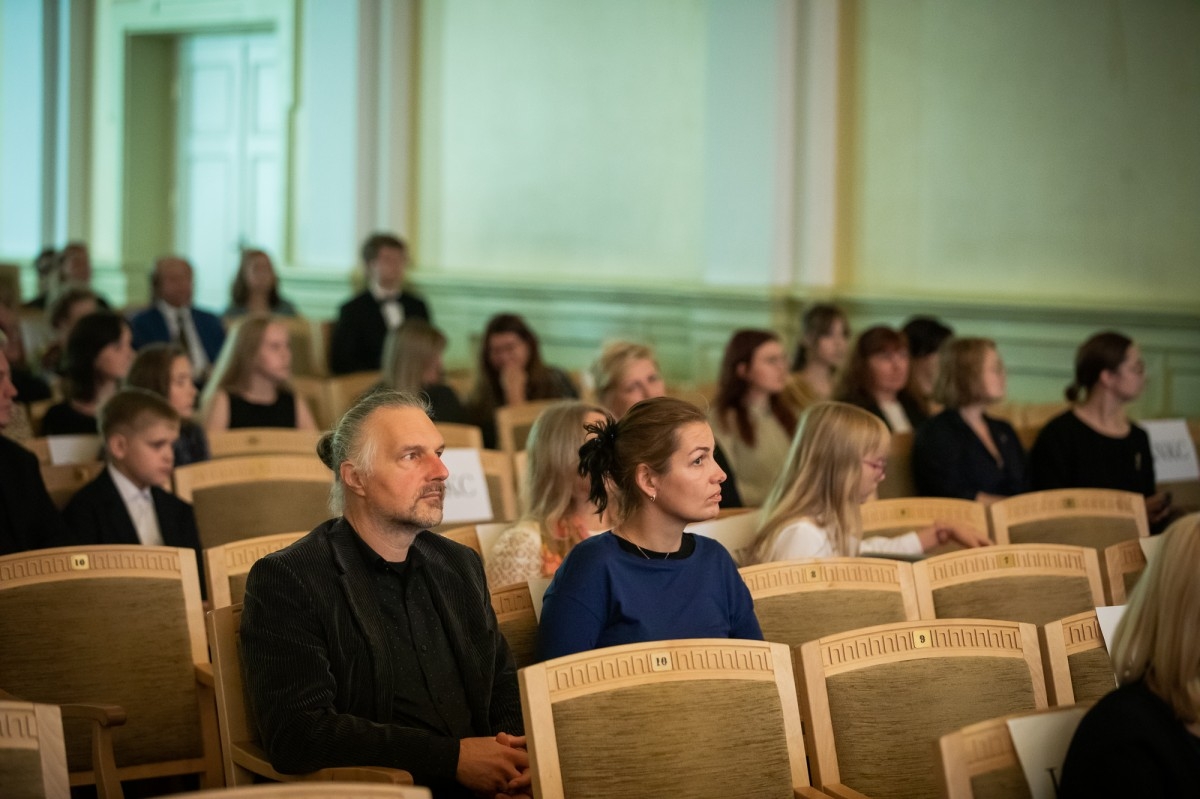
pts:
pixel 603 595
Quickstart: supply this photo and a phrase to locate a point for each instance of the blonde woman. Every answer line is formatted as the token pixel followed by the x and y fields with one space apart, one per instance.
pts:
pixel 1143 739
pixel 837 458
pixel 412 363
pixel 624 374
pixel 557 511
pixel 249 385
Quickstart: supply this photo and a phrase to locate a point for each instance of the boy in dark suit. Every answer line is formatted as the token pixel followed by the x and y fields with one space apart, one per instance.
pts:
pixel 364 321
pixel 125 504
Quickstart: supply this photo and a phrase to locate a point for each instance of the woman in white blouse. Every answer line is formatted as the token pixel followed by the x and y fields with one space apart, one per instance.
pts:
pixel 837 458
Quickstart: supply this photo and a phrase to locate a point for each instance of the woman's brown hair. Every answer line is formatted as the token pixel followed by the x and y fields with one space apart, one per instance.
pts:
pixel 732 387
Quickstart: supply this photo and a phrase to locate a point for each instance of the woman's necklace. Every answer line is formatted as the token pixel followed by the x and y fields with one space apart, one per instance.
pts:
pixel 645 554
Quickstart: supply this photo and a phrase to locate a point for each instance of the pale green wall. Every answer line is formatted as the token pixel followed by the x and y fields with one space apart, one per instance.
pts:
pixel 619 140
pixel 1028 149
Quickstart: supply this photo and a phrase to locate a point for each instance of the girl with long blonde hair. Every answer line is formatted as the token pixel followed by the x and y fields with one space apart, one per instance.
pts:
pixel 557 512
pixel 249 386
pixel 837 459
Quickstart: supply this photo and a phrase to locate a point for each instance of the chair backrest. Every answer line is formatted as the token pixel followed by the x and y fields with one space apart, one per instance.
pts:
pixel 877 700
pixel 513 423
pixel 1089 517
pixel 313 390
pixel 479 537
pixel 63 481
pixel 1033 583
pixel 33 754
pixel 227 566
pixel 238 728
pixel 456 436
pixel 735 532
pixel 798 601
pixel 698 718
pixel 1123 565
pixel 314 790
pixel 344 390
pixel 498 471
pixel 1078 668
pixel 899 480
pixel 81 448
pixel 521 471
pixel 513 605
pixel 465 535
pixel 979 761
pixel 249 496
pixel 893 517
pixel 262 441
pixel 116 624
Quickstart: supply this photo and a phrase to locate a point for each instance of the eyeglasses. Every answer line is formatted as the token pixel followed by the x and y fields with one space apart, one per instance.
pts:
pixel 879 465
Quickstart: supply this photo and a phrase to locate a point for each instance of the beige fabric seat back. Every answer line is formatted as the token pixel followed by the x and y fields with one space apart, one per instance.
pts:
pixel 698 718
pixel 262 441
pixel 33 756
pixel 1034 583
pixel 802 600
pixel 1089 517
pixel 513 423
pixel 226 567
pixel 979 761
pixel 893 517
pixel 513 606
pixel 119 625
pixel 1078 668
pixel 876 701
pixel 239 498
pixel 1123 566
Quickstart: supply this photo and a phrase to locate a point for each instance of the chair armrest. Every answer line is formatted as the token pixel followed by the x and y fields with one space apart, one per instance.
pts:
pixel 204 675
pixel 392 776
pixel 104 764
pixel 839 791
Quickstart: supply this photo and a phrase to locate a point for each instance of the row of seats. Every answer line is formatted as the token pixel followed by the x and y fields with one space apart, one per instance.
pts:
pixel 123 625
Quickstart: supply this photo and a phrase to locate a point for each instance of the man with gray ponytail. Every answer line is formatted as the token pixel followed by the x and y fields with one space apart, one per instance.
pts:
pixel 372 641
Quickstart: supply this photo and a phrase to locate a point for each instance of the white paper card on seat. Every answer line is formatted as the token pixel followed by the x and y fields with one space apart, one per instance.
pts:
pixel 467 497
pixel 1108 618
pixel 73 449
pixel 1174 451
pixel 1041 742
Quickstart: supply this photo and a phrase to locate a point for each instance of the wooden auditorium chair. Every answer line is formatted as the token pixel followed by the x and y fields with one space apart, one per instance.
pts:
pixel 798 601
pixel 315 790
pixel 893 517
pixel 898 480
pixel 243 758
pixel 344 390
pixel 479 537
pixel 460 436
pixel 1123 565
pixel 518 621
pixel 735 531
pixel 698 718
pixel 64 480
pixel 1033 583
pixel 1089 517
pixel 514 421
pixel 33 752
pixel 1078 668
pixel 262 441
pixel 120 625
pixel 979 761
pixel 227 566
pixel 876 701
pixel 239 498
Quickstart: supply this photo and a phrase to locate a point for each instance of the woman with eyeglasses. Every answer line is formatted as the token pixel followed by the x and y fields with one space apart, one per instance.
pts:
pixel 838 457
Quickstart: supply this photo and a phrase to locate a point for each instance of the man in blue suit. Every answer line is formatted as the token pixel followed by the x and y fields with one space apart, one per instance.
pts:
pixel 173 319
